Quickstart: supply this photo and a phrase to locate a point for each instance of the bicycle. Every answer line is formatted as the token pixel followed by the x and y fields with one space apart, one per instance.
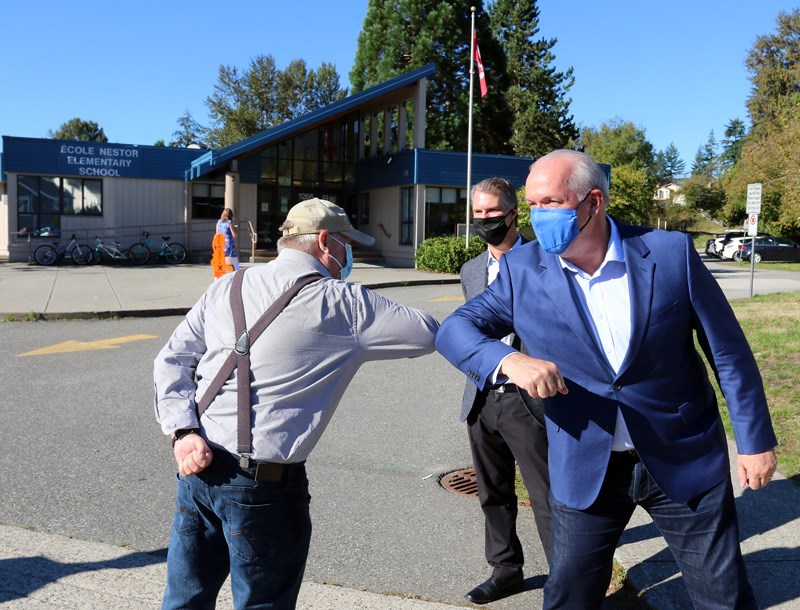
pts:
pixel 48 255
pixel 114 253
pixel 143 251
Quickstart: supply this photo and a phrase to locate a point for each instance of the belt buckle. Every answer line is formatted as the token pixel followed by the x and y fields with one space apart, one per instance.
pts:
pixel 269 472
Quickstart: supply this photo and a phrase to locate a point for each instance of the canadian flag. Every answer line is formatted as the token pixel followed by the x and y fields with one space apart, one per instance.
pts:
pixel 481 73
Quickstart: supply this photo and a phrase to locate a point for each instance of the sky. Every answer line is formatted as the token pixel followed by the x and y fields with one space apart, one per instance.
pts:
pixel 674 69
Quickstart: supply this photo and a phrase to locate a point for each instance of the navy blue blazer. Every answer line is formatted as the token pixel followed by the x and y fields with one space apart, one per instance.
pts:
pixel 662 386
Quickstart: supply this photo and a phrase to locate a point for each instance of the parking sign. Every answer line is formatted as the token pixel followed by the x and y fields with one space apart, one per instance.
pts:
pixel 752 224
pixel 754 198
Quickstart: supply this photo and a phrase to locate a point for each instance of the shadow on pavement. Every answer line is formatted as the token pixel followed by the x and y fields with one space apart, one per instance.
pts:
pixel 773 570
pixel 21 576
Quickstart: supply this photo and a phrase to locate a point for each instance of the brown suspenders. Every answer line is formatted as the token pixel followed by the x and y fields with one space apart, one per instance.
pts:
pixel 239 358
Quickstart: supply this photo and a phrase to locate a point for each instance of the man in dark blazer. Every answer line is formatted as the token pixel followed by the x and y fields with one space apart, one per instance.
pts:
pixel 609 313
pixel 502 427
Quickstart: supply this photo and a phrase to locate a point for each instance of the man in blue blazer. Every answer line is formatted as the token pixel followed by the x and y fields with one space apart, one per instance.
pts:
pixel 609 313
pixel 502 427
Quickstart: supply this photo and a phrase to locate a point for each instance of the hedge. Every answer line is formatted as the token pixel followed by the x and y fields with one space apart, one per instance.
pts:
pixel 447 254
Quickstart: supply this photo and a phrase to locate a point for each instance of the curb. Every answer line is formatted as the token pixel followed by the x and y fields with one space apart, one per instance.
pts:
pixel 180 311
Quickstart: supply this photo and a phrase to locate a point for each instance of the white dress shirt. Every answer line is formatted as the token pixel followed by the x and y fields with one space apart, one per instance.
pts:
pixel 493 268
pixel 604 298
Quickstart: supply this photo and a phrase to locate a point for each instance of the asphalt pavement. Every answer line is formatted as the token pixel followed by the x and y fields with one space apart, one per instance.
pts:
pixel 41 570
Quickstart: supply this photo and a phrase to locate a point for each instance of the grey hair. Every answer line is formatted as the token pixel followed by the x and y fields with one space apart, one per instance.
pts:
pixel 500 187
pixel 304 242
pixel 586 174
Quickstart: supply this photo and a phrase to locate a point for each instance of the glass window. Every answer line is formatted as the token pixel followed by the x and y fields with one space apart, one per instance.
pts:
pixel 285 172
pixel 92 197
pixel 208 200
pixel 42 200
pixel 444 209
pixel 27 194
pixel 50 195
pixel 73 195
pixel 269 169
pixel 304 173
pixel 306 145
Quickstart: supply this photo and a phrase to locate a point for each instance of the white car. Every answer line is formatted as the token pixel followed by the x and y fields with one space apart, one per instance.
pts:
pixel 721 241
pixel 733 251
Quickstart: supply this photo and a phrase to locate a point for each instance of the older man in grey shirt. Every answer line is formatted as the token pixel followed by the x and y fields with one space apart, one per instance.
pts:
pixel 247 512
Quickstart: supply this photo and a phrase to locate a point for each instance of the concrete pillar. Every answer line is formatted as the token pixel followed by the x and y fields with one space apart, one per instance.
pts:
pixel 402 119
pixel 232 189
pixel 362 138
pixel 419 113
pixel 373 135
pixel 387 131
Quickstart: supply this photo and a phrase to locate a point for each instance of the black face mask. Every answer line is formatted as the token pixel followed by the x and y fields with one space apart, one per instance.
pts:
pixel 492 230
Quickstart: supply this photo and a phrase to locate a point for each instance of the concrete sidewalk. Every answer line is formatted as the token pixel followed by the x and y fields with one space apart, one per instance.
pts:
pixel 70 291
pixel 44 571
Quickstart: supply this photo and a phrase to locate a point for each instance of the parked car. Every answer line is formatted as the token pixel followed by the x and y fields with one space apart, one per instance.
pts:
pixel 730 250
pixel 770 249
pixel 716 247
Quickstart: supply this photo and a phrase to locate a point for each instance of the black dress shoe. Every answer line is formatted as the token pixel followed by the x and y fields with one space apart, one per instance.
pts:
pixel 496 588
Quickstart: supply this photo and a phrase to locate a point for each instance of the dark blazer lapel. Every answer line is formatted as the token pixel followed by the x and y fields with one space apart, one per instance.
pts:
pixel 641 272
pixel 476 275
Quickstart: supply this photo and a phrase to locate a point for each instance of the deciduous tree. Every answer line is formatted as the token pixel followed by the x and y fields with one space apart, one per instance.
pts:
pixel 633 179
pixel 248 102
pixel 78 129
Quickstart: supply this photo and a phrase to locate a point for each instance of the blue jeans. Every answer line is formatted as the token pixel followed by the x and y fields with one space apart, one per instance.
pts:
pixel 702 535
pixel 226 522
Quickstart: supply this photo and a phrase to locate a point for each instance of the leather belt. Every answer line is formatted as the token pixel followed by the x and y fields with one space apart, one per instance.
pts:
pixel 507 387
pixel 260 471
pixel 630 455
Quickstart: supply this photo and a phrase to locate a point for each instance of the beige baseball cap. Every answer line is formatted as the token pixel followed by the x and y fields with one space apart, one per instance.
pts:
pixel 315 215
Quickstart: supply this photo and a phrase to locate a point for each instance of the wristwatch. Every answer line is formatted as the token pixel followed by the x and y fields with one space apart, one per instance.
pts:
pixel 179 434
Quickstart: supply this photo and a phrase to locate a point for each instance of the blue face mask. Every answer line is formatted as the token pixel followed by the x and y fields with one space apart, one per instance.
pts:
pixel 556 228
pixel 348 261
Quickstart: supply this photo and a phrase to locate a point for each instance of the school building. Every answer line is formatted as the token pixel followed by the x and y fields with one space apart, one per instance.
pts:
pixel 365 153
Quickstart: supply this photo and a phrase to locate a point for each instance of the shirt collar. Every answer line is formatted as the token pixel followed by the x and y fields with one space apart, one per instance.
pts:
pixel 304 259
pixel 493 261
pixel 614 253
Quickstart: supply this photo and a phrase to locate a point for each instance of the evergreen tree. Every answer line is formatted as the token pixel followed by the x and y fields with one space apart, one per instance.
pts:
pixel 706 162
pixel 190 132
pixel 78 129
pixel 537 92
pixel 669 165
pixel 735 133
pixel 401 35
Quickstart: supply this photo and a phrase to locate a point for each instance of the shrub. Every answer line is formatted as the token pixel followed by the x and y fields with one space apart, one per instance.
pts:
pixel 447 254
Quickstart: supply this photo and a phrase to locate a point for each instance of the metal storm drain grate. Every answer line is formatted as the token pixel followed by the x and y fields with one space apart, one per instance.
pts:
pixel 460 482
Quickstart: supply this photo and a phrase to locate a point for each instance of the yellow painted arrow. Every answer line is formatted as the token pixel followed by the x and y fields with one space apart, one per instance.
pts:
pixel 85 346
pixel 447 298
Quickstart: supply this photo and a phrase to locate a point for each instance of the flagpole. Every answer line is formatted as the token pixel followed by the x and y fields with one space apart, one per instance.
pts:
pixel 469 133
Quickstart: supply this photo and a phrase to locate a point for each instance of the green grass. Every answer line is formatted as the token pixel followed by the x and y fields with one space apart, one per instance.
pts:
pixel 772 326
pixel 764 265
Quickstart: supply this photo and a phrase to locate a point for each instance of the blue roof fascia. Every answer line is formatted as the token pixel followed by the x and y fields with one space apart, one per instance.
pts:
pixel 213 159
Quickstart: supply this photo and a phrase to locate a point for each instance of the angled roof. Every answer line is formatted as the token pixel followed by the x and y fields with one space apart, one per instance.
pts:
pixel 216 158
